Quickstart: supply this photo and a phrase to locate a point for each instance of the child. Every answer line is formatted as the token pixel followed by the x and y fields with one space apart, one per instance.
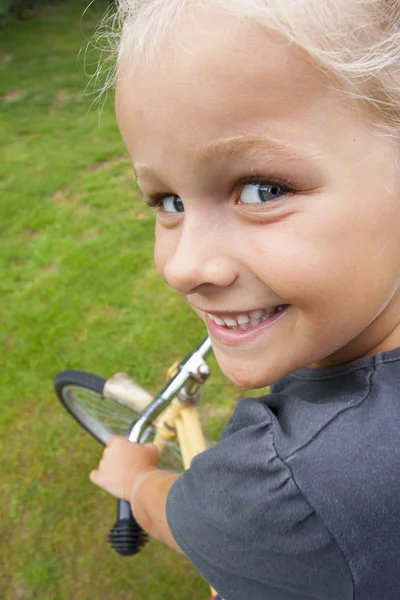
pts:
pixel 266 133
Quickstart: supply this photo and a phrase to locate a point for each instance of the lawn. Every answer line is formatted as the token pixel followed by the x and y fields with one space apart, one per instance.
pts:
pixel 78 289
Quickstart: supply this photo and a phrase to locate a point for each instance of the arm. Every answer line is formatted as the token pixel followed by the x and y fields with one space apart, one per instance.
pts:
pixel 129 471
pixel 148 501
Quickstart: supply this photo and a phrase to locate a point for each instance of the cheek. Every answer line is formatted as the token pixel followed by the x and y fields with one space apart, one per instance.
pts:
pixel 309 261
pixel 162 250
pixel 297 257
pixel 159 259
pixel 329 258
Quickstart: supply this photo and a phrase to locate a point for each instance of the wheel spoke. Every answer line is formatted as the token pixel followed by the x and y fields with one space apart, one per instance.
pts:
pixel 104 417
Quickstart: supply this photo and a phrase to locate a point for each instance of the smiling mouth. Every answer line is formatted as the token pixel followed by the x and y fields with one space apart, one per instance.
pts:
pixel 245 321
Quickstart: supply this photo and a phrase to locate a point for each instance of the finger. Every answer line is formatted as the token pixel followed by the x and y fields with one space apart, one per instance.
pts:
pixel 154 449
pixel 97 478
pixel 93 476
pixel 113 439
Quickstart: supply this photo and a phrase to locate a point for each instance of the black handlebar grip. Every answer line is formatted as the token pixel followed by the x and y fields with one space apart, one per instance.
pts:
pixel 126 537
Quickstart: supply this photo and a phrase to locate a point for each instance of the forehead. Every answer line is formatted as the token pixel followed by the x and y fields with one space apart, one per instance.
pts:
pixel 219 76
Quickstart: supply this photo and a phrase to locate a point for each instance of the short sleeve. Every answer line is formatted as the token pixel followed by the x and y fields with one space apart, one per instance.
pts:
pixel 241 520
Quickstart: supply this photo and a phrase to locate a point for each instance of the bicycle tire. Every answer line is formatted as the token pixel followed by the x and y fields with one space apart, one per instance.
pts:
pixel 81 393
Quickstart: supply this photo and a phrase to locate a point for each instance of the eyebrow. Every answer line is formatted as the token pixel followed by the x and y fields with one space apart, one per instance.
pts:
pixel 231 147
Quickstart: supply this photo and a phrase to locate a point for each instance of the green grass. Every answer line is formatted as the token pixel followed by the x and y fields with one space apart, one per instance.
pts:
pixel 78 289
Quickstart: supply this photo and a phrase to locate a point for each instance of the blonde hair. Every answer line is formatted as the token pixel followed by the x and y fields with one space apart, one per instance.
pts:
pixel 357 42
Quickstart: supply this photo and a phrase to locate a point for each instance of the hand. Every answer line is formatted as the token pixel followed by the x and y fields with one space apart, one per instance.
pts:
pixel 122 462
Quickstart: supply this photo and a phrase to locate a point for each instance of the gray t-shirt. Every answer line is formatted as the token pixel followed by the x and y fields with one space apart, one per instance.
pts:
pixel 300 500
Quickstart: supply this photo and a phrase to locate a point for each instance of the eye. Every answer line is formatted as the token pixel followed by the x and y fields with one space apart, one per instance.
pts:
pixel 166 204
pixel 261 193
pixel 171 204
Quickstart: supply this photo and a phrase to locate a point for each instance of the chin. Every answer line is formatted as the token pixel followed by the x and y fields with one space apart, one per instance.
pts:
pixel 244 378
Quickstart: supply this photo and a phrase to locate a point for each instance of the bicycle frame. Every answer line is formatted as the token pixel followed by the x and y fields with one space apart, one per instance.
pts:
pixel 183 422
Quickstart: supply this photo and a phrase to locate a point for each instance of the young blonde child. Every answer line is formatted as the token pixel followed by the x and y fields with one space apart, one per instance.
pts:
pixel 266 133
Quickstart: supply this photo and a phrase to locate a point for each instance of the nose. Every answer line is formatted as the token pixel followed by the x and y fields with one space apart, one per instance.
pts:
pixel 202 257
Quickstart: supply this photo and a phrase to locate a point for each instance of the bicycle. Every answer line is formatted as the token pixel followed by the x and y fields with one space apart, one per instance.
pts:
pixel 120 406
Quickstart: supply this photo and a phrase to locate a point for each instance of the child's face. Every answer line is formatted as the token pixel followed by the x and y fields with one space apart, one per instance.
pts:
pixel 273 193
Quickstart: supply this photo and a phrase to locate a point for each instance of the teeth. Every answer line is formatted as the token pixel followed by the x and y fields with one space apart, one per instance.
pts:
pixel 269 313
pixel 245 322
pixel 230 322
pixel 256 314
pixel 218 320
pixel 242 319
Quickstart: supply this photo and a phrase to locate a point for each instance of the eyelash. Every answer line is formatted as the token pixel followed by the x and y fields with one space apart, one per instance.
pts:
pixel 288 185
pixel 157 201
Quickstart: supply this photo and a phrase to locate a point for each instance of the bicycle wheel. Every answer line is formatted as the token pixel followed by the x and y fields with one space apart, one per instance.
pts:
pixel 81 393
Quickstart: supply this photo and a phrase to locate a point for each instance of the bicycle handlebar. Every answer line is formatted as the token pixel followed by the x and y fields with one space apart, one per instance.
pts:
pixel 126 536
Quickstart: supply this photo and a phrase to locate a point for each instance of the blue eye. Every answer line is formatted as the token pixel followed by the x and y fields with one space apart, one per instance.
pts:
pixel 172 204
pixel 261 193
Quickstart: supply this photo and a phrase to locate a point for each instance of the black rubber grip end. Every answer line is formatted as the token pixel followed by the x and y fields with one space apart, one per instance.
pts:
pixel 127 538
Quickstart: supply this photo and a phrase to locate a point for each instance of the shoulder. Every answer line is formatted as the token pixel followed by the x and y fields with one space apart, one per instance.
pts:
pixel 239 507
pixel 338 431
pixel 317 402
pixel 346 464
